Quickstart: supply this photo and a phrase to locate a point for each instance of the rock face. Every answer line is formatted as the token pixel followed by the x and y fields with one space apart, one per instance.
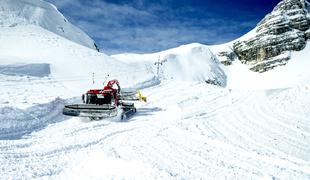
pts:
pixel 285 29
pixel 226 57
pixel 308 34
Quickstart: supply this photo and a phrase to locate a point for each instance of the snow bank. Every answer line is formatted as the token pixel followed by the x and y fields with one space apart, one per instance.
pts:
pixel 37 12
pixel 15 123
pixel 38 70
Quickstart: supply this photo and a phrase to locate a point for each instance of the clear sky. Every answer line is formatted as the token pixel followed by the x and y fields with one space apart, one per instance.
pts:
pixel 144 26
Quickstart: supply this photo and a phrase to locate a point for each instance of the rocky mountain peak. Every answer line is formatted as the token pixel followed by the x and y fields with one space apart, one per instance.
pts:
pixel 285 29
pixel 286 5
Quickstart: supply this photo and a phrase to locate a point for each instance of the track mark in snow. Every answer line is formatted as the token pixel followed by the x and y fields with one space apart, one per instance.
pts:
pixel 179 134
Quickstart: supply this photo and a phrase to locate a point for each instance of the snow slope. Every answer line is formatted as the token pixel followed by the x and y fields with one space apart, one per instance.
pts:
pixel 295 73
pixel 43 66
pixel 188 62
pixel 236 76
pixel 43 14
pixel 206 133
pixel 187 130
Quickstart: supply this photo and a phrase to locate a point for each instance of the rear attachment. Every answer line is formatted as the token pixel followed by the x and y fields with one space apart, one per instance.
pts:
pixel 128 110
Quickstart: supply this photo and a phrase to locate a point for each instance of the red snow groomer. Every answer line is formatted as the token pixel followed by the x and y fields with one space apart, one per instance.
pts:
pixel 105 103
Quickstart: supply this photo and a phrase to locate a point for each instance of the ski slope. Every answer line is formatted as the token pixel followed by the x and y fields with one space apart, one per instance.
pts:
pixel 247 126
pixel 187 130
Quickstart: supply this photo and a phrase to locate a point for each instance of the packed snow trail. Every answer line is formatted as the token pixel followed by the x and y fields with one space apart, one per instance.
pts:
pixel 186 130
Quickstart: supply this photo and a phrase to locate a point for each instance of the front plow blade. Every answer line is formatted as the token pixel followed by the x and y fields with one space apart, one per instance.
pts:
pixel 90 110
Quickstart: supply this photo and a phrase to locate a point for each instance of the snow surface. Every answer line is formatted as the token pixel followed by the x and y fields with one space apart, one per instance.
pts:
pixel 252 126
pixel 39 70
pixel 72 68
pixel 295 73
pixel 192 62
pixel 41 13
pixel 207 132
pixel 236 76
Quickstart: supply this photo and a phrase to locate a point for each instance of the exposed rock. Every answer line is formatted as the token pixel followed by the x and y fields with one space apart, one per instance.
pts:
pixel 96 47
pixel 308 34
pixel 271 63
pixel 224 53
pixel 215 82
pixel 226 57
pixel 285 29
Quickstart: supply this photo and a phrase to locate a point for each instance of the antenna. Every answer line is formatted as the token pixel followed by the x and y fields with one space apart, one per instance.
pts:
pixel 159 63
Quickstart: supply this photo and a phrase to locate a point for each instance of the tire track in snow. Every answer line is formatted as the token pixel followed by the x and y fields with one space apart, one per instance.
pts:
pixel 188 134
pixel 243 123
pixel 241 120
pixel 54 158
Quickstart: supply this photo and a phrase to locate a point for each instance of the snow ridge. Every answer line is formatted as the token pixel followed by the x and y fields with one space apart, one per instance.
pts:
pixel 192 62
pixel 37 12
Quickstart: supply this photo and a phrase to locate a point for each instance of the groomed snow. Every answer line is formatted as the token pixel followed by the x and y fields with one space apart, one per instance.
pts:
pixel 187 130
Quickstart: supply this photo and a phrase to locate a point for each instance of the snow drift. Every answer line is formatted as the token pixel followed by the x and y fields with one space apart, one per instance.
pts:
pixel 16 123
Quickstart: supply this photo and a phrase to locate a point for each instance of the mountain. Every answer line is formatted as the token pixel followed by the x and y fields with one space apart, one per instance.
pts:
pixel 281 38
pixel 37 12
pixel 39 47
pixel 207 115
pixel 284 30
pixel 188 62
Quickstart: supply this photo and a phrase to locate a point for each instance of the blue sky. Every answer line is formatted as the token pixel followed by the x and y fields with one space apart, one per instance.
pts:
pixel 144 26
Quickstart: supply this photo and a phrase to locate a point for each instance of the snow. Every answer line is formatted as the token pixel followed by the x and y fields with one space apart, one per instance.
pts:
pixel 73 68
pixel 295 73
pixel 37 12
pixel 192 62
pixel 206 132
pixel 38 70
pixel 250 126
pixel 184 63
